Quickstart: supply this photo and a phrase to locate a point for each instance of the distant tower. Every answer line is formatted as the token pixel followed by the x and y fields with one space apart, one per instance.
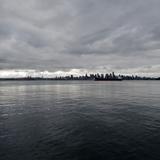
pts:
pixel 113 75
pixel 71 76
pixel 102 76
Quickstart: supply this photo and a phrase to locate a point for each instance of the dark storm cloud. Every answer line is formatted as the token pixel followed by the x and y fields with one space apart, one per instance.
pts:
pixel 81 34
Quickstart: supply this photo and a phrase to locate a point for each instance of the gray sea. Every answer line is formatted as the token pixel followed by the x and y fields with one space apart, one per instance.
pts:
pixel 79 120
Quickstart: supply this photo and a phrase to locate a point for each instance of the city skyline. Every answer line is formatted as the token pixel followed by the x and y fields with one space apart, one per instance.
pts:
pixel 87 76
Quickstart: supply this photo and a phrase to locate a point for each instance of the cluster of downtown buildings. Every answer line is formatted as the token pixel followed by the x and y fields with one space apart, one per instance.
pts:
pixel 110 76
pixel 98 76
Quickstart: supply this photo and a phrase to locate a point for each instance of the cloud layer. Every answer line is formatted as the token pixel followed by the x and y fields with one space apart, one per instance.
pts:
pixel 82 35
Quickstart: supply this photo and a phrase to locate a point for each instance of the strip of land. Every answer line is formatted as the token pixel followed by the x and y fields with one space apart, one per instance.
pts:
pixel 98 77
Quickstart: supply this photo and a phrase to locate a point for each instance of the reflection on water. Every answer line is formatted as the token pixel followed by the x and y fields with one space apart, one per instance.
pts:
pixel 79 120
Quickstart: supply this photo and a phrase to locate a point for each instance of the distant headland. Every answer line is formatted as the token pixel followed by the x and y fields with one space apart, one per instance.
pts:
pixel 96 77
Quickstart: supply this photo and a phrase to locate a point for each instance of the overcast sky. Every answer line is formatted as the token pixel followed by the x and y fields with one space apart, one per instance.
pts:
pixel 80 36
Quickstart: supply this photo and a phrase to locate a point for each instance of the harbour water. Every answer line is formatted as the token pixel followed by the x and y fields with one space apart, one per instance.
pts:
pixel 79 120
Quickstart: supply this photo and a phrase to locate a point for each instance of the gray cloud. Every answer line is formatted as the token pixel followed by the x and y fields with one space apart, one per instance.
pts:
pixel 91 35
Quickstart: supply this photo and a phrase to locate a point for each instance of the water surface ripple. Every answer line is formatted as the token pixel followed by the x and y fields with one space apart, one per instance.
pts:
pixel 79 120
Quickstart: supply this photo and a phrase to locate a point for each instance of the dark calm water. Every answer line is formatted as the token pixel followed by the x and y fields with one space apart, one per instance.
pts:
pixel 79 120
